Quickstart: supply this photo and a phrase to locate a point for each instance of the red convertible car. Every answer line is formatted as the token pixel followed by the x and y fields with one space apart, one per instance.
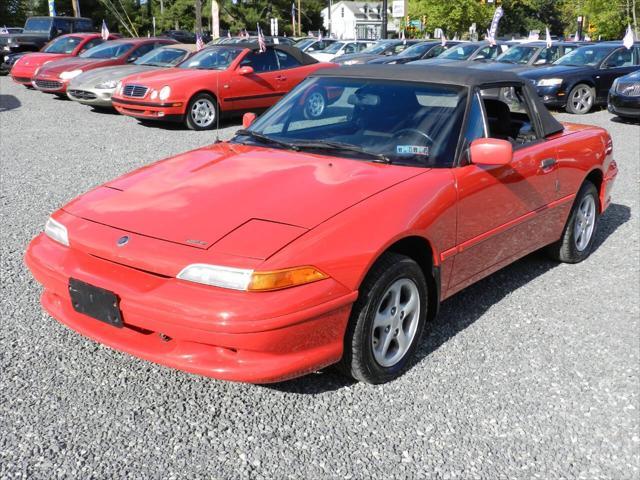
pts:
pixel 305 242
pixel 54 76
pixel 221 78
pixel 64 46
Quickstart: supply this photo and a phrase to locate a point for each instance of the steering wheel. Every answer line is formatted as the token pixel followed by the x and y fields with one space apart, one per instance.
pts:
pixel 414 130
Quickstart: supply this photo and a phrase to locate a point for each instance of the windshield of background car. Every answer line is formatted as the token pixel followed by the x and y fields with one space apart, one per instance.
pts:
pixel 162 57
pixel 520 55
pixel 215 58
pixel 302 44
pixel 63 45
pixel 377 48
pixel 107 50
pixel 37 25
pixel 591 55
pixel 387 120
pixel 333 48
pixel 415 50
pixel 459 52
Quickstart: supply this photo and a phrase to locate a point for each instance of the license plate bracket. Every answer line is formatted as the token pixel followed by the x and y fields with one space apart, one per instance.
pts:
pixel 95 302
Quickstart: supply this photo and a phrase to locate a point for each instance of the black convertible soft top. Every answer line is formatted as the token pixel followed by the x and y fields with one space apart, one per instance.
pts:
pixel 296 53
pixel 448 75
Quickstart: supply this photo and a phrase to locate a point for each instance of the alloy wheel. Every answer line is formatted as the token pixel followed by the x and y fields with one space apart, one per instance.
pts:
pixel 585 222
pixel 582 99
pixel 203 112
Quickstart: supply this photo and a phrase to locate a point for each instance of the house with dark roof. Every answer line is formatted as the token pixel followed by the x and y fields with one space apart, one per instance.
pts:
pixel 356 20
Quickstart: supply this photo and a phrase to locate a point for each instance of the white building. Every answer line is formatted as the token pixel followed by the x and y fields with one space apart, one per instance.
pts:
pixel 356 20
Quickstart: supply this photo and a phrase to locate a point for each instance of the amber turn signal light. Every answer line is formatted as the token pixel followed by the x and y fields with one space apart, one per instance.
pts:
pixel 289 277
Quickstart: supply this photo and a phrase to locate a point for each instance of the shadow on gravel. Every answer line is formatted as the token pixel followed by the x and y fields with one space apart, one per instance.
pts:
pixel 164 125
pixel 104 111
pixel 626 121
pixel 464 308
pixel 8 102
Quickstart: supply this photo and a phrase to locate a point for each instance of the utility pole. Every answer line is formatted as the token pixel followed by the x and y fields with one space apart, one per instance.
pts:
pixel 383 27
pixel 198 7
pixel 76 7
pixel 215 19
pixel 329 17
pixel 299 20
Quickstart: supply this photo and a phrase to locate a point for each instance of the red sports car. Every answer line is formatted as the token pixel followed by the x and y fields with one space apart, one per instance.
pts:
pixel 305 242
pixel 64 46
pixel 54 76
pixel 221 78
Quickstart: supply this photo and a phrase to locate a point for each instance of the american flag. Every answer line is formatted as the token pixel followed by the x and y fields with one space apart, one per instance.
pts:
pixel 402 37
pixel 443 40
pixel 104 31
pixel 261 43
pixel 199 42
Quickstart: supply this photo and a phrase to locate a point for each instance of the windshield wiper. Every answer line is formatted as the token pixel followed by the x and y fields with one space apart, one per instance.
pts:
pixel 345 147
pixel 264 139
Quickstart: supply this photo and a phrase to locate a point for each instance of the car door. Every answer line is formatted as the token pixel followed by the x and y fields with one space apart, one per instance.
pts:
pixel 620 62
pixel 259 89
pixel 502 209
pixel 290 70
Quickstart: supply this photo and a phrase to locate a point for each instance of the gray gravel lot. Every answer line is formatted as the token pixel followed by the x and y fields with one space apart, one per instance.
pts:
pixel 532 373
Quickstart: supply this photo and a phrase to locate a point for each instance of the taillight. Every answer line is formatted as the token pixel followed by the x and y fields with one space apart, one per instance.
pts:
pixel 609 148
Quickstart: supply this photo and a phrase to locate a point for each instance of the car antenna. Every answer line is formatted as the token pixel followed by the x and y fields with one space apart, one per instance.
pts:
pixel 217 107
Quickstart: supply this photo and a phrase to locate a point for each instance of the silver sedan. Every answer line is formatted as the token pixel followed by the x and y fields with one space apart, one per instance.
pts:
pixel 96 87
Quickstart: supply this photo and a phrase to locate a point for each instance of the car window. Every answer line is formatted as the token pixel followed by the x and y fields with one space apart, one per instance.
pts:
pixel 519 54
pixel 64 26
pixel 107 50
pixel 459 52
pixel 508 116
pixel 285 60
pixel 37 25
pixel 409 123
pixel 63 45
pixel 622 57
pixel 215 58
pixel 261 62
pixel 141 50
pixel 637 55
pixel 162 57
pixel 91 43
pixel 475 127
pixel 349 48
pixel 434 52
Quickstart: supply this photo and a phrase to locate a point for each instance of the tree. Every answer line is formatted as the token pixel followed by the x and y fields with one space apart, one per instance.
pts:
pixel 452 17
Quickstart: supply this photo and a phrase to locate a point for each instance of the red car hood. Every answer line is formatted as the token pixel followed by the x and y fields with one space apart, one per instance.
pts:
pixel 167 76
pixel 37 59
pixel 200 196
pixel 72 63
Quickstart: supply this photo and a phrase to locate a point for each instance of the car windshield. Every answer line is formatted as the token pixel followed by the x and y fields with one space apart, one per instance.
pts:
pixel 333 48
pixel 386 121
pixel 162 57
pixel 63 45
pixel 213 58
pixel 591 55
pixel 459 52
pixel 377 48
pixel 107 50
pixel 415 50
pixel 302 44
pixel 519 54
pixel 37 25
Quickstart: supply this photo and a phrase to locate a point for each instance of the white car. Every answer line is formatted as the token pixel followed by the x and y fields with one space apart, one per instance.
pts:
pixel 341 47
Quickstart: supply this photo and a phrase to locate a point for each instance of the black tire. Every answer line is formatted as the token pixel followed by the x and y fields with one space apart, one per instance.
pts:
pixel 584 106
pixel 358 360
pixel 193 120
pixel 567 248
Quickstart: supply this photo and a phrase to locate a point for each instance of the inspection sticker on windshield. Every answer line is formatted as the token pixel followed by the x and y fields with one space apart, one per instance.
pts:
pixel 412 150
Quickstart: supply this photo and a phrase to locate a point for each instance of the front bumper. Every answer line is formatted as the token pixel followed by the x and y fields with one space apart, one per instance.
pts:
pixel 623 106
pixel 49 84
pixel 181 325
pixel 552 96
pixel 150 110
pixel 96 97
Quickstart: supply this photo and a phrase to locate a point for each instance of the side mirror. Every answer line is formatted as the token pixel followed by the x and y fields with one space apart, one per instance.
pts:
pixel 132 59
pixel 491 151
pixel 248 118
pixel 245 70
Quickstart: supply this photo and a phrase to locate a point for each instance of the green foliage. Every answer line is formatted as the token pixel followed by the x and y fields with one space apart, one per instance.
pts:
pixel 608 19
pixel 453 17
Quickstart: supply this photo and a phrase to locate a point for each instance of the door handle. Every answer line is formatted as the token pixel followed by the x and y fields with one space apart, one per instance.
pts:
pixel 282 78
pixel 548 163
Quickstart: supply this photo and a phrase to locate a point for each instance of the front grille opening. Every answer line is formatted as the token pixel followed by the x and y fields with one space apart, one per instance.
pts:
pixel 137 91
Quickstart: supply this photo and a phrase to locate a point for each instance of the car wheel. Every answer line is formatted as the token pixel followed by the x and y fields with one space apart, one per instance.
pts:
pixel 581 99
pixel 386 321
pixel 202 112
pixel 579 232
pixel 314 105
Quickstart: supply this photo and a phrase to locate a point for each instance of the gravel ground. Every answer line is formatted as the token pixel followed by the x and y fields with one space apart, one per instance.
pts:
pixel 532 373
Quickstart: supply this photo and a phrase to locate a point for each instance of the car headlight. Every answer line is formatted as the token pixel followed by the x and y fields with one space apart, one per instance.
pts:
pixel 549 82
pixel 119 87
pixel 6 58
pixel 350 62
pixel 392 62
pixel 109 84
pixel 164 92
pixel 154 94
pixel 250 280
pixel 71 74
pixel 56 231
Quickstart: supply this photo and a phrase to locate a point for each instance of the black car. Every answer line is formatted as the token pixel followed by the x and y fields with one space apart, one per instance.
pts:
pixel 467 51
pixel 382 48
pixel 624 96
pixel 38 31
pixel 418 51
pixel 582 78
pixel 181 36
